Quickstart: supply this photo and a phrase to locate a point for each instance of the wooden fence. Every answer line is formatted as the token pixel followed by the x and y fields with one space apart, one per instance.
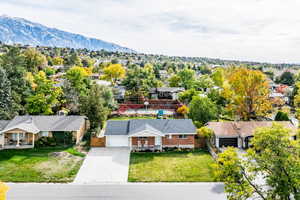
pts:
pixel 98 142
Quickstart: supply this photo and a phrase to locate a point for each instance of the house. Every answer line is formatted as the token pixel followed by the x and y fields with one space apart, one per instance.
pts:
pixel 102 82
pixel 23 131
pixel 150 134
pixel 165 93
pixel 239 134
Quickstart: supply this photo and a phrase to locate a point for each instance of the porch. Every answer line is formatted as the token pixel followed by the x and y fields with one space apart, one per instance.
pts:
pixel 145 138
pixel 146 143
pixel 17 140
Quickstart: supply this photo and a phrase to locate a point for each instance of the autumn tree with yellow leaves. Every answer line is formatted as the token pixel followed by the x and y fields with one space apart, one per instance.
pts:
pixel 247 93
pixel 113 73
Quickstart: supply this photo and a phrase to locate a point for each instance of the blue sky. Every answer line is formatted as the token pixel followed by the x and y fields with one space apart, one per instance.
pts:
pixel 258 30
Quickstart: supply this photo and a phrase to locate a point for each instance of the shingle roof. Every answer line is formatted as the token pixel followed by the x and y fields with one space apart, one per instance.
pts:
pixel 116 127
pixel 165 126
pixel 3 124
pixel 244 128
pixel 46 123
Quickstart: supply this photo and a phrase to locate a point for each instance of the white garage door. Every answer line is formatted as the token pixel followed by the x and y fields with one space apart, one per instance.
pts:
pixel 117 141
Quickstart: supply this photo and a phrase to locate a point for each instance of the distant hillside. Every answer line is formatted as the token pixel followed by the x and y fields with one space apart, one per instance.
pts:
pixel 21 31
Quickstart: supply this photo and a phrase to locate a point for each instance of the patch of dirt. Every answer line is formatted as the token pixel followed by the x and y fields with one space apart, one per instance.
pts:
pixel 59 163
pixel 61 154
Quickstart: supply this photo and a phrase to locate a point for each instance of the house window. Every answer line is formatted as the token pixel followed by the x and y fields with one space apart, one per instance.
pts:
pixel 182 136
pixel 44 134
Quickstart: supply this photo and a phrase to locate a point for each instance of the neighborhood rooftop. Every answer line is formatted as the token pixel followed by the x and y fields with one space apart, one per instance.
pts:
pixel 243 128
pixel 163 126
pixel 39 123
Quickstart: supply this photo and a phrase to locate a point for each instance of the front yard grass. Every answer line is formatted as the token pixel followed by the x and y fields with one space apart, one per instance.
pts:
pixel 171 167
pixel 40 165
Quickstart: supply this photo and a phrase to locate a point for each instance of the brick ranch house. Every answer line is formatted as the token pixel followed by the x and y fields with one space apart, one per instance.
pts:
pixel 239 134
pixel 22 131
pixel 150 134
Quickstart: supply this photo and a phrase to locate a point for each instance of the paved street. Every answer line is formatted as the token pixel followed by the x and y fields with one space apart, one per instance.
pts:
pixel 103 165
pixel 135 191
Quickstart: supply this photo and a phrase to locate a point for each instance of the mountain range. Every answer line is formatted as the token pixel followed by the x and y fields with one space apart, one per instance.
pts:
pixel 21 31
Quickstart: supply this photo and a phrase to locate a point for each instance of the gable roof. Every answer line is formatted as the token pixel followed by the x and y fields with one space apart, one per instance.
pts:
pixel 35 124
pixel 164 126
pixel 145 128
pixel 244 128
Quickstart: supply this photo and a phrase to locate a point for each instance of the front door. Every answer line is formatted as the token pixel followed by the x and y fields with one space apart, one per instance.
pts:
pixel 157 141
pixel 143 141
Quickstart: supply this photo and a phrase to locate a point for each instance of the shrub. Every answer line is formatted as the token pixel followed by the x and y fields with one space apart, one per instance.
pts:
pixel 281 116
pixel 45 142
pixel 205 132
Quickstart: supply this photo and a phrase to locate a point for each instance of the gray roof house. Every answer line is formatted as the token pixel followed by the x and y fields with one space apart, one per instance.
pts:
pixel 165 92
pixel 23 131
pixel 150 133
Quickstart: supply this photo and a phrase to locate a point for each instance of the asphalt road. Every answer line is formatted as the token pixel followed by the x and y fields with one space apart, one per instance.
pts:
pixel 130 191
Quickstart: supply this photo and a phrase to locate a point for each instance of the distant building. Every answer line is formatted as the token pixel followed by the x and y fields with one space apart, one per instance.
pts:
pixel 165 93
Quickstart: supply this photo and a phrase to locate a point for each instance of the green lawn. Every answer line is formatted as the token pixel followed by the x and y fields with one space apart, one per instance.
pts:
pixel 128 118
pixel 171 167
pixel 39 165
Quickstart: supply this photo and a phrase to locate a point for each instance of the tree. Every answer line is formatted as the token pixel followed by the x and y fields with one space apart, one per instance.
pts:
pixel 73 59
pixel 247 92
pixel 34 60
pixel 13 63
pixel 57 61
pixel 202 110
pixel 174 81
pixel 78 78
pixel 205 132
pixel 286 78
pixel 88 62
pixel 45 95
pixel 94 107
pixel 203 83
pixel 6 100
pixel 296 99
pixel 281 116
pixel 281 173
pixel 139 80
pixel 113 73
pixel 183 110
pixel 49 71
pixel 187 95
pixel 218 77
pixel 187 78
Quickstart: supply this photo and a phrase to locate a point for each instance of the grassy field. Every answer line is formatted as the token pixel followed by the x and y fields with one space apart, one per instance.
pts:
pixel 171 167
pixel 40 165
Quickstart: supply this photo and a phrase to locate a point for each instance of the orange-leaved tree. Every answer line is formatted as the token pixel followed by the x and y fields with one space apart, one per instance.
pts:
pixel 247 92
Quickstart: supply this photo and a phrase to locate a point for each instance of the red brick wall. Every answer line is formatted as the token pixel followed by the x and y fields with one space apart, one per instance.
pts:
pixel 175 140
pixel 151 140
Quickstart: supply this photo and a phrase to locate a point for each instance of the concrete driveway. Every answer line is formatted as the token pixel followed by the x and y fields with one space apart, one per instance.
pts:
pixel 104 165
